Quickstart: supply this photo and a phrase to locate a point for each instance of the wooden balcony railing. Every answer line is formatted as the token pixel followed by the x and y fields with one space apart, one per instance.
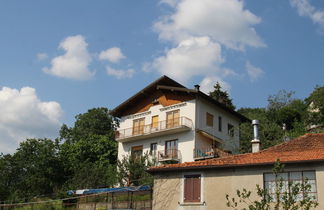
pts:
pixel 154 127
pixel 169 155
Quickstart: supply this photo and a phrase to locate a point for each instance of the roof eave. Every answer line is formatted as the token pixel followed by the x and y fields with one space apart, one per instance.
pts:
pixel 152 171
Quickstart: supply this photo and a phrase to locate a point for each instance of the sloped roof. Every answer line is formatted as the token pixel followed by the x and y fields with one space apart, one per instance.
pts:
pixel 165 81
pixel 307 148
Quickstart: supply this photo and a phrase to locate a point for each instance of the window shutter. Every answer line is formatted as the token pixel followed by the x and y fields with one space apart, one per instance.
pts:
pixel 192 188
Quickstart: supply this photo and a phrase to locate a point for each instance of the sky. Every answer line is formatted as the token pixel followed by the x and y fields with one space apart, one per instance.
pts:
pixel 61 58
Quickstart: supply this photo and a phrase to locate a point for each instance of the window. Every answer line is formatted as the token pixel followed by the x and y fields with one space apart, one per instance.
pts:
pixel 230 130
pixel 137 151
pixel 293 177
pixel 192 188
pixel 209 119
pixel 153 149
pixel 172 119
pixel 220 123
pixel 155 121
pixel 138 126
pixel 171 149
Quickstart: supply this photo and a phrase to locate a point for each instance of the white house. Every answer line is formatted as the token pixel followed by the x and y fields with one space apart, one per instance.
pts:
pixel 175 124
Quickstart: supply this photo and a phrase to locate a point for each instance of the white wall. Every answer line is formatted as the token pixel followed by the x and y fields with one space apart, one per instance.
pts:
pixel 231 143
pixel 185 139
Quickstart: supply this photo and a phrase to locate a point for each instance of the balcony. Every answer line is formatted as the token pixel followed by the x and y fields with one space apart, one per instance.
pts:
pixel 204 153
pixel 169 155
pixel 160 128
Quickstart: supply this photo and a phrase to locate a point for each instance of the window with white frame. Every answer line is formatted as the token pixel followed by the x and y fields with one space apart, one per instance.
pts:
pixel 292 177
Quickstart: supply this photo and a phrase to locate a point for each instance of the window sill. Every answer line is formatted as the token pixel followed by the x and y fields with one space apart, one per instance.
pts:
pixel 192 203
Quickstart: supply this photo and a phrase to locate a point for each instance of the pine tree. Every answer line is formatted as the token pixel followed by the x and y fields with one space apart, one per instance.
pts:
pixel 221 96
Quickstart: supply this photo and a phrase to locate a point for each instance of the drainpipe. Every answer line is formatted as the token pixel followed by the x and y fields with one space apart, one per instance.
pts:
pixel 256 141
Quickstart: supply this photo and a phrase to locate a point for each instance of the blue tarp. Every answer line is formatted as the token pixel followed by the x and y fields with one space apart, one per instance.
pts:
pixel 109 190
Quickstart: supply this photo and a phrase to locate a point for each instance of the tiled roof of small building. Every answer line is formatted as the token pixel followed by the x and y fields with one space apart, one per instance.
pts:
pixel 307 148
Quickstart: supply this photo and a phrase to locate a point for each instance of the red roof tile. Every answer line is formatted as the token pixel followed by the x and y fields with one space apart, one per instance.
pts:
pixel 309 147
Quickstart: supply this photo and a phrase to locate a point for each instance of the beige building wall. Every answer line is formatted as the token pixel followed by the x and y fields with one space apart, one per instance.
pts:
pixel 216 183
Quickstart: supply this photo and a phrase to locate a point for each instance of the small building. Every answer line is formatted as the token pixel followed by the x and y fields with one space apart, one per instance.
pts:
pixel 204 184
pixel 175 124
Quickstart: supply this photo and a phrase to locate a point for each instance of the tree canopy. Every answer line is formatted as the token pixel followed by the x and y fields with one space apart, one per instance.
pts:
pixel 284 118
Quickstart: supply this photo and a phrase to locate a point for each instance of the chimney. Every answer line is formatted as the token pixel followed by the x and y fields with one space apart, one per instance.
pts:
pixel 197 87
pixel 256 141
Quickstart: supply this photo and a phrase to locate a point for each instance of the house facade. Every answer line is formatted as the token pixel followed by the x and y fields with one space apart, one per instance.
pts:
pixel 203 185
pixel 175 124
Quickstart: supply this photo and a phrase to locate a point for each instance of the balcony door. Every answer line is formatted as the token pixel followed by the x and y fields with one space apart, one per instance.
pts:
pixel 172 119
pixel 138 126
pixel 171 148
pixel 155 122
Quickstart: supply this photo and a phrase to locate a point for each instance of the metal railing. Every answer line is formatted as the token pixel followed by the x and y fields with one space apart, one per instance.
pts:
pixel 169 155
pixel 201 153
pixel 154 127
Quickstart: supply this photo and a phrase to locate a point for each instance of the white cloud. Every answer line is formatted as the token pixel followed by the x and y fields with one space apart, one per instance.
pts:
pixel 224 21
pixel 74 64
pixel 198 30
pixel 207 84
pixel 120 74
pixel 192 57
pixel 24 115
pixel 305 9
pixel 41 56
pixel 253 71
pixel 113 55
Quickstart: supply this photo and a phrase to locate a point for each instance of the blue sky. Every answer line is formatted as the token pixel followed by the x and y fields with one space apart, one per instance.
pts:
pixel 61 58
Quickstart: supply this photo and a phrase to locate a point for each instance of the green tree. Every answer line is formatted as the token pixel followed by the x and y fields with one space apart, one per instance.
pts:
pixel 315 103
pixel 93 175
pixel 221 96
pixel 96 121
pixel 281 99
pixel 89 146
pixel 270 132
pixel 7 176
pixel 36 169
pixel 283 111
pixel 132 170
pixel 283 198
